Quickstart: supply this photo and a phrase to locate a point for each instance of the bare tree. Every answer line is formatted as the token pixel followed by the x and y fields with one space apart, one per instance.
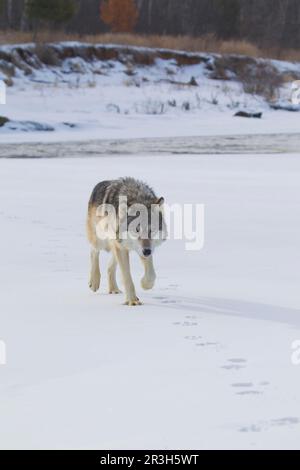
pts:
pixel 272 23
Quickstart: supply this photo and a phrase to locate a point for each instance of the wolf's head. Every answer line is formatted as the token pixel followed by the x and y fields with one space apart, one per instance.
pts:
pixel 142 227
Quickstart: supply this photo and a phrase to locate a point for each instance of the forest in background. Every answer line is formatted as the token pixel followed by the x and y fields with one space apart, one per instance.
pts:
pixel 267 23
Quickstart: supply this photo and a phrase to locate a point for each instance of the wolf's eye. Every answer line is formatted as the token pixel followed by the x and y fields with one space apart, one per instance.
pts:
pixel 138 229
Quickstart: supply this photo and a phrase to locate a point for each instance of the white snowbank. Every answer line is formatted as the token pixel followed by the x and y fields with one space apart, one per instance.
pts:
pixel 118 99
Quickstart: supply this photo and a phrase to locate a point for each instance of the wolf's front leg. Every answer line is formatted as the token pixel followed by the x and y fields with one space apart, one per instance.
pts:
pixel 95 271
pixel 123 260
pixel 112 281
pixel 149 278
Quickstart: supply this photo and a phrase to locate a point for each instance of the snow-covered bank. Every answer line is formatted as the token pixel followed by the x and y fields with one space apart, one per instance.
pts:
pixel 205 363
pixel 84 92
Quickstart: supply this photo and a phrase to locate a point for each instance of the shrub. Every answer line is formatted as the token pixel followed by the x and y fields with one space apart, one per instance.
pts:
pixel 3 121
pixel 47 55
pixel 258 77
pixel 120 15
pixel 263 80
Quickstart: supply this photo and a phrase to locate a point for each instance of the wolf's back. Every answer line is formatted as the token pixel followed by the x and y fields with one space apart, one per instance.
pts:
pixel 99 193
pixel 109 192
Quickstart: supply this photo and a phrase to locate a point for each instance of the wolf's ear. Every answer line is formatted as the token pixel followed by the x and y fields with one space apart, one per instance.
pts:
pixel 160 202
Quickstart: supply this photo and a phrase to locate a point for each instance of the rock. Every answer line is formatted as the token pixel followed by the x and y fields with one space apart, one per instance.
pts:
pixel 244 114
pixel 28 126
pixel 3 121
pixel 18 60
pixel 172 103
pixel 113 108
pixel 294 108
pixel 71 125
pixel 193 82
pixel 186 106
pixel 75 65
pixel 7 69
pixel 36 126
pixel 8 81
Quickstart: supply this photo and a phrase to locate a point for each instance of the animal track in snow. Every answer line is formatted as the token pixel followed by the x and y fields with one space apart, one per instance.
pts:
pixel 232 367
pixel 235 364
pixel 166 300
pixel 242 385
pixel 266 425
pixel 249 392
pixel 193 338
pixel 237 361
pixel 245 388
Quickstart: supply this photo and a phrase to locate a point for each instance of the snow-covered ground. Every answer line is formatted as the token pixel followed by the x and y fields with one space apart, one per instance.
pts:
pixel 117 99
pixel 208 361
pixel 205 363
pixel 89 110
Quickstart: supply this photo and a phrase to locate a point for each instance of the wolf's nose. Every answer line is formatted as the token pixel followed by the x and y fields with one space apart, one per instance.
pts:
pixel 147 252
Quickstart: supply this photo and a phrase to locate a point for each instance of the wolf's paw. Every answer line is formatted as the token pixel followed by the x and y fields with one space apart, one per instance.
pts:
pixel 147 284
pixel 133 303
pixel 94 284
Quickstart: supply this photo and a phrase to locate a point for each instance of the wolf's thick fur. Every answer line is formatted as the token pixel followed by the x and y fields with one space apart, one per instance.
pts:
pixel 100 237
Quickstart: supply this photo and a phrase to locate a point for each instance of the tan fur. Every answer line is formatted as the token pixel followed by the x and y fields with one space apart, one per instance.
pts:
pixel 120 256
pixel 91 226
pixel 105 233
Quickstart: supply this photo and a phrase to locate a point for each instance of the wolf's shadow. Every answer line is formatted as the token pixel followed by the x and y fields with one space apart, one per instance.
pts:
pixel 231 307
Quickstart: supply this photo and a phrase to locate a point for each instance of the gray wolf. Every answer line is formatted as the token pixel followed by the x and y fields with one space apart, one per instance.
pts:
pixel 125 215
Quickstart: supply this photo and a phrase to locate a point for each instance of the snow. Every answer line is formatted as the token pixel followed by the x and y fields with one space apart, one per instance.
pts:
pixel 117 99
pixel 92 111
pixel 204 364
pixel 208 362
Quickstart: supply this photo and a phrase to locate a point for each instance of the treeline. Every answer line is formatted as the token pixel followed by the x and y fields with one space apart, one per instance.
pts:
pixel 267 23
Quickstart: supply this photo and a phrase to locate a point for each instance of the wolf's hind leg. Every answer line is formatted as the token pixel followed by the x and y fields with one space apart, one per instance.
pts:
pixel 95 271
pixel 149 278
pixel 123 260
pixel 112 281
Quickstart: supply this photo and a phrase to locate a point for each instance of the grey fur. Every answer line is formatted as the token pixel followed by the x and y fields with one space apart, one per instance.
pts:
pixel 143 242
pixel 109 192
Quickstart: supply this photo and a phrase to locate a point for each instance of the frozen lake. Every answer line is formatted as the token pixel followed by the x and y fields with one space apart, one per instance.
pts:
pixel 212 358
pixel 207 361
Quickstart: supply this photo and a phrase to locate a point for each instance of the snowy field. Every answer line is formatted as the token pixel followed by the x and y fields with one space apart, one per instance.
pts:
pixel 82 100
pixel 210 360
pixel 93 113
pixel 204 364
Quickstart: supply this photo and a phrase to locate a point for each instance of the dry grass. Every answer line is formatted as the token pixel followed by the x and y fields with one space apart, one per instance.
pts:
pixel 240 48
pixel 263 80
pixel 257 77
pixel 208 43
